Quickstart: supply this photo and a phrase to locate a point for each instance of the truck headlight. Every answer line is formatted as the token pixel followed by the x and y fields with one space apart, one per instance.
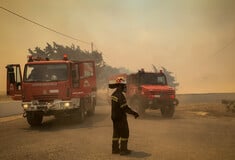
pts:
pixel 67 104
pixel 25 106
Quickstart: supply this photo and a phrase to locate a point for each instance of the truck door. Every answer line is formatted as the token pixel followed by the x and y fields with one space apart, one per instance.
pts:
pixel 87 75
pixel 14 81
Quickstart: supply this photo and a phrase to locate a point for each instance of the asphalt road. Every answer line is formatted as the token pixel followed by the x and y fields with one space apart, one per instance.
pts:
pixel 188 136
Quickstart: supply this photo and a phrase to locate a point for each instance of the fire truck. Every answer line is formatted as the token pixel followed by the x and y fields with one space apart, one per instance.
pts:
pixel 53 87
pixel 150 90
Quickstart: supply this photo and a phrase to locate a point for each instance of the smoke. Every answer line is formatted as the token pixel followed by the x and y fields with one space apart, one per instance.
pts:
pixel 219 12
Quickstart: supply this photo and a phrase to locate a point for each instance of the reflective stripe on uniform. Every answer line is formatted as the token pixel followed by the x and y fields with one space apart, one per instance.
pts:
pixel 124 139
pixel 114 98
pixel 115 139
pixel 123 105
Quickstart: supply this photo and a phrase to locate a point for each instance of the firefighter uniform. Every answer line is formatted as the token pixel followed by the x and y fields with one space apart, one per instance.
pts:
pixel 120 124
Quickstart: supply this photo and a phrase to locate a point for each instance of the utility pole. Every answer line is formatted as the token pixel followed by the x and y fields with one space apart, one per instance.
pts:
pixel 91 47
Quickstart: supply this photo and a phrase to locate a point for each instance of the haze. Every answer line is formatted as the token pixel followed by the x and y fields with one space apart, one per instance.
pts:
pixel 194 39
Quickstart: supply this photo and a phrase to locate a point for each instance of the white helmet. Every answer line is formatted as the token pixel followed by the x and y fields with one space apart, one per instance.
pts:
pixel 120 80
pixel 116 82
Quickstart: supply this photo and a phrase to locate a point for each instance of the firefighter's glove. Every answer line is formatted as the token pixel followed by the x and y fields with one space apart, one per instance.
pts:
pixel 136 115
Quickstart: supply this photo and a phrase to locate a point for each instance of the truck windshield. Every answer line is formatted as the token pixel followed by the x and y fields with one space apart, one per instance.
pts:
pixel 153 79
pixel 45 72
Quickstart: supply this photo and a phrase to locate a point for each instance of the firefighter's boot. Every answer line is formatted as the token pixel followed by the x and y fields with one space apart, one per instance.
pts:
pixel 123 149
pixel 115 147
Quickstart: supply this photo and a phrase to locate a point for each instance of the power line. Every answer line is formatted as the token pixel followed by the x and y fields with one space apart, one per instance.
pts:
pixel 43 26
pixel 224 47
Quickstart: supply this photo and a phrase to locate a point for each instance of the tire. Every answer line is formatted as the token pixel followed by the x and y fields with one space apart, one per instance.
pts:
pixel 34 118
pixel 168 111
pixel 91 111
pixel 81 114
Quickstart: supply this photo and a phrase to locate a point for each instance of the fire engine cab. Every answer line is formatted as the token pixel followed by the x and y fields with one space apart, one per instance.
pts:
pixel 53 87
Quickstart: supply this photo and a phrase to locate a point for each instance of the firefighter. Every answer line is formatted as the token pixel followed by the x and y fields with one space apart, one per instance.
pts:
pixel 119 117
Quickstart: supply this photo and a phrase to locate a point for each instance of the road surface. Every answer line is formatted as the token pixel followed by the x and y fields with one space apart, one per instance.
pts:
pixel 192 134
pixel 9 108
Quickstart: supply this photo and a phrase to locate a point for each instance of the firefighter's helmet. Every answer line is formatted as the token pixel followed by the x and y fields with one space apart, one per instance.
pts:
pixel 115 83
pixel 120 80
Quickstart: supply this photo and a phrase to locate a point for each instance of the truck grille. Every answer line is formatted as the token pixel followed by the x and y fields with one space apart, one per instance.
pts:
pixel 170 92
pixel 45 97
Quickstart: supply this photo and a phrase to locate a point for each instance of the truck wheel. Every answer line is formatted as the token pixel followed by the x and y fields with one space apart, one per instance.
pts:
pixel 34 118
pixel 168 111
pixel 81 114
pixel 91 111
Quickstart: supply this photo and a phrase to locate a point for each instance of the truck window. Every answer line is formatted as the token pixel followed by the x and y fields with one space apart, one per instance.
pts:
pixel 86 70
pixel 152 79
pixel 161 80
pixel 45 72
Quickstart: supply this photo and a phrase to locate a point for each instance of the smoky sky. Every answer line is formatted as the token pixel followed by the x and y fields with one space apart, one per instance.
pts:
pixel 194 39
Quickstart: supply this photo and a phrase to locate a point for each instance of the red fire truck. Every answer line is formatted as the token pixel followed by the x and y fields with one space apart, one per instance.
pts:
pixel 53 87
pixel 149 90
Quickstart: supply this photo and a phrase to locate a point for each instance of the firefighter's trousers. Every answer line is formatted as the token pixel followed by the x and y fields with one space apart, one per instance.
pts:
pixel 120 132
